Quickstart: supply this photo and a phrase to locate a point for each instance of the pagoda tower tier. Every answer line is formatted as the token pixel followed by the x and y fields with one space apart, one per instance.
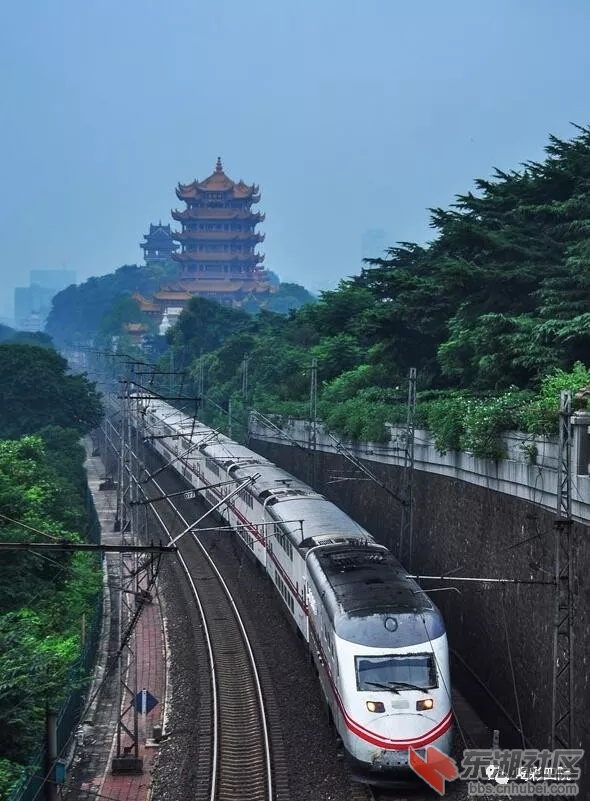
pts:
pixel 218 236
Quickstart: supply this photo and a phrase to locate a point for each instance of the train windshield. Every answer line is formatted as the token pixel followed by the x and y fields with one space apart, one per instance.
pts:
pixel 396 673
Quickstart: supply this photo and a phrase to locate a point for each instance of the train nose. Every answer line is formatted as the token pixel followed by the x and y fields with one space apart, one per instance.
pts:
pixel 403 725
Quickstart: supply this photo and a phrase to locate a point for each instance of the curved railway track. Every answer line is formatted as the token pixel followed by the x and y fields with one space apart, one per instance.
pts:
pixel 238 763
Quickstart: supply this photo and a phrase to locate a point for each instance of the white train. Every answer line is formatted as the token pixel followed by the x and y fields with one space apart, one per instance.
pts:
pixel 377 640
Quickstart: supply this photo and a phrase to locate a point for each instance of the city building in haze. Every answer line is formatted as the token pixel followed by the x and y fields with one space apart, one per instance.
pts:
pixel 32 303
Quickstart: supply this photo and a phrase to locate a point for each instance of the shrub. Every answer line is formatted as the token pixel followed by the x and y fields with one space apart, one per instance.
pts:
pixel 541 415
pixel 446 419
pixel 486 420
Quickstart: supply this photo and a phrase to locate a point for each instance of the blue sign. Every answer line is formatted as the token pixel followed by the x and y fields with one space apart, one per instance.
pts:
pixel 145 702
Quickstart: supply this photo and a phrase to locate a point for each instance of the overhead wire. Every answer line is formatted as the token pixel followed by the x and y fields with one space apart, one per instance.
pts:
pixel 512 673
pixel 30 528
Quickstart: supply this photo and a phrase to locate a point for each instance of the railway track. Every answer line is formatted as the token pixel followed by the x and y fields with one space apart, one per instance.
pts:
pixel 236 758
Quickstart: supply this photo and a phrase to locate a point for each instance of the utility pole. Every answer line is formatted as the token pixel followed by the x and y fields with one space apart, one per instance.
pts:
pixel 313 420
pixel 127 757
pixel 563 700
pixel 407 521
pixel 120 467
pixel 245 377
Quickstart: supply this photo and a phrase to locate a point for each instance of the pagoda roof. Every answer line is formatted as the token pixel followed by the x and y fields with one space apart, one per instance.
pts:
pixel 218 181
pixel 169 293
pixel 214 256
pixel 192 213
pixel 219 285
pixel 159 228
pixel 225 236
pixel 145 304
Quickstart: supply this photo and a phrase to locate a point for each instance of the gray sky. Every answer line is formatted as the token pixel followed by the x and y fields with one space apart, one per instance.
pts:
pixel 350 115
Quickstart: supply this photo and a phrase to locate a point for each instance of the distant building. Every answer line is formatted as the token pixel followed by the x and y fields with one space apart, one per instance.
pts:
pixel 32 304
pixel 158 244
pixel 373 243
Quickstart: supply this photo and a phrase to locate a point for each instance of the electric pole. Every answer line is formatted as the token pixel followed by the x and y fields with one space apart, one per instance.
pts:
pixel 407 521
pixel 563 700
pixel 313 420
pixel 245 377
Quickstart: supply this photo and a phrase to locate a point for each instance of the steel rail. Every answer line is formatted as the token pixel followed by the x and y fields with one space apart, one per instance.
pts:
pixel 217 791
pixel 208 640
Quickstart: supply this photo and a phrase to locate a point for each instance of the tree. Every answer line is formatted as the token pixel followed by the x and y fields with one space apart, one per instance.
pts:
pixel 288 297
pixel 203 326
pixel 125 309
pixel 36 391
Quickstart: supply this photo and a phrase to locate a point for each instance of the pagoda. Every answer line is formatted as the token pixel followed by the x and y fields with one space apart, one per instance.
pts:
pixel 158 244
pixel 218 241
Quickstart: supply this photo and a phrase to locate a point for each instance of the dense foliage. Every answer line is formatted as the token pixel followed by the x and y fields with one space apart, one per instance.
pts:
pixel 502 294
pixel 43 598
pixel 36 391
pixel 8 334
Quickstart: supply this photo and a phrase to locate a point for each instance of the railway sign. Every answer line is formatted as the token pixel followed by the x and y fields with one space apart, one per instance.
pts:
pixel 145 702
pixel 188 496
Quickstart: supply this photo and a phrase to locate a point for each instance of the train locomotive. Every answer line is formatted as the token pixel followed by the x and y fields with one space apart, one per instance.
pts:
pixel 377 640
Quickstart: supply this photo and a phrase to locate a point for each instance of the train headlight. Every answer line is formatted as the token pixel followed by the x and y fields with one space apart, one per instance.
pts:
pixel 424 704
pixel 375 706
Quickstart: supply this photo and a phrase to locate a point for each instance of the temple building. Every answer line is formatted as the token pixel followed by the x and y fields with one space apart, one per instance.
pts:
pixel 217 257
pixel 158 244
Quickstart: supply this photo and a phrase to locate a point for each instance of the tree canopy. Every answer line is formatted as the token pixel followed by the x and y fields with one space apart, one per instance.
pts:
pixel 41 599
pixel 36 390
pixel 77 312
pixel 502 293
pixel 42 497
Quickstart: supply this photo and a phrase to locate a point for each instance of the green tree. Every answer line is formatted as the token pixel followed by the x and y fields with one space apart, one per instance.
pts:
pixel 36 391
pixel 288 297
pixel 203 326
pixel 32 501
pixel 41 599
pixel 125 309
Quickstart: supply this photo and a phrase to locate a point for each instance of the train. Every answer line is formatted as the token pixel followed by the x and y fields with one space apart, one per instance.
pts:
pixel 377 640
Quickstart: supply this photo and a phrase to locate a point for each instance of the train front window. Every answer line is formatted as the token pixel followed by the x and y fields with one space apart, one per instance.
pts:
pixel 396 673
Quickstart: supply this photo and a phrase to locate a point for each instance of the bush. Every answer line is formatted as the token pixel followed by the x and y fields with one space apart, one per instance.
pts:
pixel 541 415
pixel 446 419
pixel 486 420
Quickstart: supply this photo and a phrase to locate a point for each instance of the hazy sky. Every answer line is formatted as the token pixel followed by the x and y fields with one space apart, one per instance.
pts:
pixel 350 115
